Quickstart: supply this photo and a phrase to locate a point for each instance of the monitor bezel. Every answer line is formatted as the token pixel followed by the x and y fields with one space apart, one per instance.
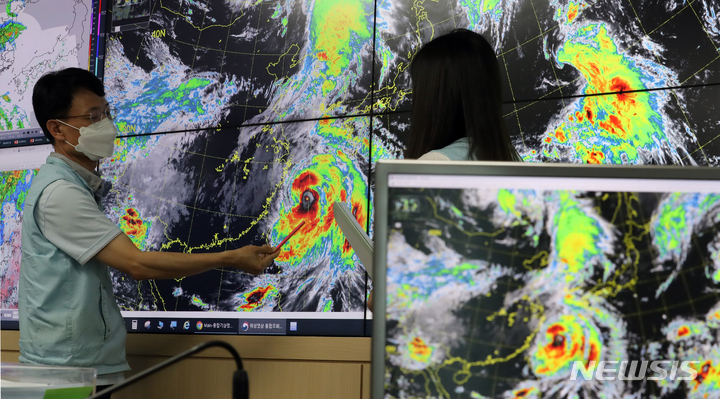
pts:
pixel 385 168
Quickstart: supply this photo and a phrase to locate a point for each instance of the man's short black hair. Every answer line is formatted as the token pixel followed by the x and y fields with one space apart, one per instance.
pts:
pixel 54 91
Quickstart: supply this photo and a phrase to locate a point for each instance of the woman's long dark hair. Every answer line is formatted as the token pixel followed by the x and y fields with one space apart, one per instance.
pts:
pixel 457 92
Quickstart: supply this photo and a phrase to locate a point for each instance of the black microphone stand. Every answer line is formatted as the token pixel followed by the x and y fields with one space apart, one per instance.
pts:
pixel 240 381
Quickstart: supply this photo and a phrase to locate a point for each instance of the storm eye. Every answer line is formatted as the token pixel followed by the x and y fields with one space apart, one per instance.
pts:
pixel 559 340
pixel 255 297
pixel 307 200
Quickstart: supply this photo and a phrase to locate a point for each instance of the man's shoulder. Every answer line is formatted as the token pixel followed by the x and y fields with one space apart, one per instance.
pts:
pixel 63 190
pixel 66 187
pixel 53 170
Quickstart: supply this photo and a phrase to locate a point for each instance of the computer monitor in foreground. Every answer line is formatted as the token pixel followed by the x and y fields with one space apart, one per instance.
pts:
pixel 514 280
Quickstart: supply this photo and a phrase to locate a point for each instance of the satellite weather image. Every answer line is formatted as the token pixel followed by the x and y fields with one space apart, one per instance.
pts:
pixel 497 293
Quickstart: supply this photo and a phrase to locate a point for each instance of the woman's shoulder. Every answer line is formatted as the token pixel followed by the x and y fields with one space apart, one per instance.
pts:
pixel 457 150
pixel 434 156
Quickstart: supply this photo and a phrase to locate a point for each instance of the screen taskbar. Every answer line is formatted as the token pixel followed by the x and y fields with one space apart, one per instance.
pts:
pixel 349 324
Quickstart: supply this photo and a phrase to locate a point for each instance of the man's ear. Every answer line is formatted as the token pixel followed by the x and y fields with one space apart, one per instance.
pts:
pixel 53 127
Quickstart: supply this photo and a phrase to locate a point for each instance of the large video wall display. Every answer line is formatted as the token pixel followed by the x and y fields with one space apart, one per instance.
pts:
pixel 221 189
pixel 557 56
pixel 584 82
pixel 240 119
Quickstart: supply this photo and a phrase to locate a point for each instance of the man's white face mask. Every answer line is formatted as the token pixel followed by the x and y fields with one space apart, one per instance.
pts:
pixel 97 140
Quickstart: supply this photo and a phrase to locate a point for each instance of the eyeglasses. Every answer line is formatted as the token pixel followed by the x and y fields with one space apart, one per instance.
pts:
pixel 96 116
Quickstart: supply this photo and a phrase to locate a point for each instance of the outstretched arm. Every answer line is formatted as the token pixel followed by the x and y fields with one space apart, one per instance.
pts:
pixel 123 255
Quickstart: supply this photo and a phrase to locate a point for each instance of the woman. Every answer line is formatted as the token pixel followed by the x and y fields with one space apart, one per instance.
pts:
pixel 457 99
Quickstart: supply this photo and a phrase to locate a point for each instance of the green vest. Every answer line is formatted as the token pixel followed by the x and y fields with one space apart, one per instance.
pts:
pixel 68 314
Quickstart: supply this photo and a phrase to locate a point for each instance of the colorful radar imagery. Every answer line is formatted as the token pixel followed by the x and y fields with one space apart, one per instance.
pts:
pixel 506 293
pixel 584 81
pixel 209 64
pixel 35 39
pixel 197 71
pixel 222 189
pixel 14 186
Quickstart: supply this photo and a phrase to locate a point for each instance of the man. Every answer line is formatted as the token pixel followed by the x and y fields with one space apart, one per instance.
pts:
pixel 68 315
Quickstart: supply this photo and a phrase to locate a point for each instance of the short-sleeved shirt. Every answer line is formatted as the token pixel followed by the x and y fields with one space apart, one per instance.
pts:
pixel 72 220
